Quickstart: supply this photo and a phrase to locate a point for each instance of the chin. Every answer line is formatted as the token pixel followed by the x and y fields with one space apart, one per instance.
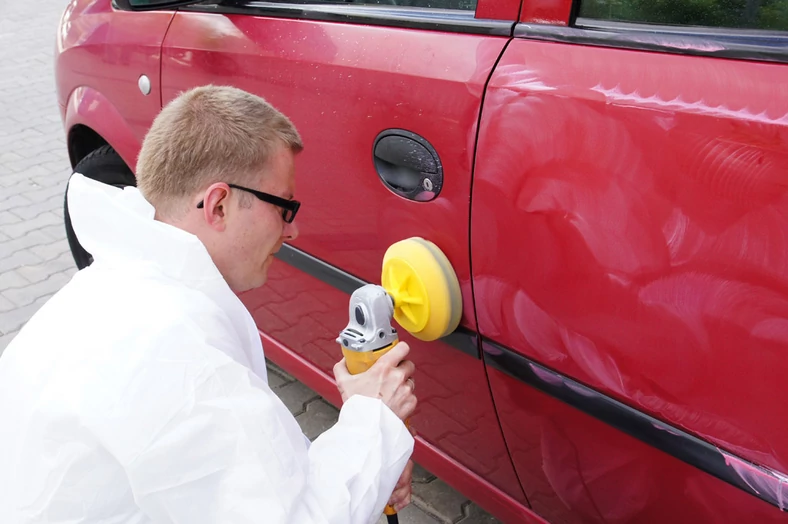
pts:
pixel 262 279
pixel 257 280
pixel 250 284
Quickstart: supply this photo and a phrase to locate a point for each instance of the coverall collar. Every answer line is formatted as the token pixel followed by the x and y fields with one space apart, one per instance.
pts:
pixel 116 226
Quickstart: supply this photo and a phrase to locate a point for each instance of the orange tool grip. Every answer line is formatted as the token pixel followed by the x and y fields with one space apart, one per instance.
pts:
pixel 358 362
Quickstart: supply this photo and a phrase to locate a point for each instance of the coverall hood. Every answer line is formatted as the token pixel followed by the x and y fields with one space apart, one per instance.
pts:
pixel 117 225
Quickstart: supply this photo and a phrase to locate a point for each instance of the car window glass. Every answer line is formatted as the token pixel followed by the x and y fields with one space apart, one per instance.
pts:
pixel 744 14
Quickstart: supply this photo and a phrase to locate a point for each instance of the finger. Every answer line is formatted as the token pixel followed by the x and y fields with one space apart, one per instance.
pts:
pixel 404 408
pixel 404 486
pixel 403 504
pixel 340 370
pixel 399 494
pixel 406 477
pixel 401 499
pixel 403 395
pixel 409 407
pixel 396 499
pixel 407 473
pixel 395 355
pixel 407 367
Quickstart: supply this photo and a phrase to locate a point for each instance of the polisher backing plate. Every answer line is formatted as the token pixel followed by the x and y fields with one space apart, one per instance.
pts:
pixel 424 287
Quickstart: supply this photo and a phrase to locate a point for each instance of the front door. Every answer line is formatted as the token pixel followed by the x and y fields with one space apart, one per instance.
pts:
pixel 387 99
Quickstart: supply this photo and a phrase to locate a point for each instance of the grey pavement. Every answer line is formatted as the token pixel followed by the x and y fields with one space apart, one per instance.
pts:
pixel 35 260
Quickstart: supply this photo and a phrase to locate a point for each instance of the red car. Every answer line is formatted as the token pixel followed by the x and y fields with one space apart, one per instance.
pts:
pixel 609 179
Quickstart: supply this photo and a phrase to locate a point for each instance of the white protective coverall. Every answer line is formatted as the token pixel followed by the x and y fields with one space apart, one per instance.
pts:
pixel 138 393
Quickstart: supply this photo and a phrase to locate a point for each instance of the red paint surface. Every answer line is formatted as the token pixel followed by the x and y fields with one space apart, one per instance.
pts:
pixel 639 201
pixel 101 53
pixel 628 231
pixel 488 496
pixel 89 107
pixel 576 469
pixel 498 9
pixel 341 85
pixel 455 415
pixel 554 12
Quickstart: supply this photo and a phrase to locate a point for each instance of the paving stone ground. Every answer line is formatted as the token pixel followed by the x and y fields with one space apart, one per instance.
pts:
pixel 34 257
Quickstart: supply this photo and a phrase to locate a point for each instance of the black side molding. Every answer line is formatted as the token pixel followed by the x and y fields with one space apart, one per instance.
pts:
pixel 462 338
pixel 455 21
pixel 675 442
pixel 769 46
pixel 331 275
pixel 758 481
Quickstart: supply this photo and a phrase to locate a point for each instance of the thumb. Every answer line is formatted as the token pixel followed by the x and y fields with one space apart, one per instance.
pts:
pixel 340 370
pixel 395 355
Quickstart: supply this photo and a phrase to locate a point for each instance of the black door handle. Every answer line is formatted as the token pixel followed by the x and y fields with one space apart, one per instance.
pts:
pixel 408 165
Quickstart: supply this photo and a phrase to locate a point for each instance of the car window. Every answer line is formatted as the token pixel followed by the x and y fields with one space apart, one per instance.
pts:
pixel 466 5
pixel 742 14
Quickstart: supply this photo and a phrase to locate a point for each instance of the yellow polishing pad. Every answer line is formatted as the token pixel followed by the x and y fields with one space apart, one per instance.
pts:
pixel 424 286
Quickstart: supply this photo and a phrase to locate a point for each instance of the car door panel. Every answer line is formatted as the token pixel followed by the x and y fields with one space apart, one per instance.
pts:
pixel 640 202
pixel 342 84
pixel 578 469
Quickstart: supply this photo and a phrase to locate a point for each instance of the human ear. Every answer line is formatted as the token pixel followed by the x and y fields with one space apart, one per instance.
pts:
pixel 214 205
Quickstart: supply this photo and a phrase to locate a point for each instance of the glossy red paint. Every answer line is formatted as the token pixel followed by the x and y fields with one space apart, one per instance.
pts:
pixel 554 12
pixel 498 9
pixel 342 85
pixel 641 201
pixel 456 416
pixel 486 495
pixel 101 53
pixel 89 107
pixel 576 469
pixel 627 230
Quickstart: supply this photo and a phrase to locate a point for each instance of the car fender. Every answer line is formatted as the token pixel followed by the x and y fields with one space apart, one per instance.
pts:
pixel 89 107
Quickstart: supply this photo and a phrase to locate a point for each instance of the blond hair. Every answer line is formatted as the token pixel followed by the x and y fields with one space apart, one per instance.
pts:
pixel 205 135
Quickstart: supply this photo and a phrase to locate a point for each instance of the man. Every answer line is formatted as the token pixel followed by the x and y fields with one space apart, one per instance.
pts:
pixel 138 393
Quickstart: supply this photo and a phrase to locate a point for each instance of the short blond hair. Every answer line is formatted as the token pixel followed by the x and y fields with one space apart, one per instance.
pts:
pixel 205 135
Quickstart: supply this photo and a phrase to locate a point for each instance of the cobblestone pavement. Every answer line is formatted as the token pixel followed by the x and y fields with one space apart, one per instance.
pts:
pixel 34 256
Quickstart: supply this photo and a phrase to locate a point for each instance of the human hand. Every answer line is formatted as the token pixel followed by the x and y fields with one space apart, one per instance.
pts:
pixel 401 495
pixel 389 379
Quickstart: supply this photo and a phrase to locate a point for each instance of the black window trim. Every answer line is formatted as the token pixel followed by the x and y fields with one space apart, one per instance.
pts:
pixel 742 44
pixel 455 21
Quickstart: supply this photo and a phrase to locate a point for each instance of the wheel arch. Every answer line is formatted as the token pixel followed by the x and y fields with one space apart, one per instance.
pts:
pixel 93 121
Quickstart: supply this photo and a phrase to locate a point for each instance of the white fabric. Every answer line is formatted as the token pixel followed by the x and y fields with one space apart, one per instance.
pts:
pixel 138 394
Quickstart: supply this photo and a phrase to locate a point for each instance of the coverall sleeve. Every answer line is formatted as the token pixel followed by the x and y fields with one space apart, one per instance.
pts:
pixel 233 453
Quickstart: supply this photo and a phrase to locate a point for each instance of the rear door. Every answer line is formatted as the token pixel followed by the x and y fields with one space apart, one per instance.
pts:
pixel 410 73
pixel 630 260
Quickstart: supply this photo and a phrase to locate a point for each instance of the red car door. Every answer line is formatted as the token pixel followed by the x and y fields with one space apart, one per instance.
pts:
pixel 353 77
pixel 630 268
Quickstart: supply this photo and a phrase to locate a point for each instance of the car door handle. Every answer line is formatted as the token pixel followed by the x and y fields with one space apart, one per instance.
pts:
pixel 408 165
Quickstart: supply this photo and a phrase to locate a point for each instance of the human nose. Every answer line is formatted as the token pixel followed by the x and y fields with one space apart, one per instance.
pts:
pixel 291 231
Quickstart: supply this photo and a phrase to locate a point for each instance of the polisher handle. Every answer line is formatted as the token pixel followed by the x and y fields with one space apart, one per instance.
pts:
pixel 360 361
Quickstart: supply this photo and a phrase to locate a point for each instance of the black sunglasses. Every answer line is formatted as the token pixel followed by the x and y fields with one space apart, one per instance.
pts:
pixel 289 207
